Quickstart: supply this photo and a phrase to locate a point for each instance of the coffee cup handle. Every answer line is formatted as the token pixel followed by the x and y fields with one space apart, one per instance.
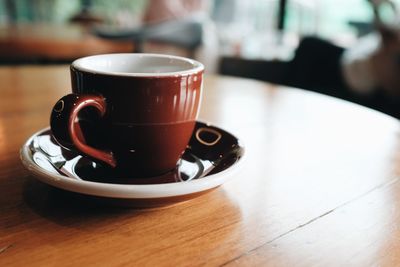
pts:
pixel 67 131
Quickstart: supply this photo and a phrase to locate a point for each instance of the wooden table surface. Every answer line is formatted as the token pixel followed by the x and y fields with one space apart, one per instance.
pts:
pixel 65 42
pixel 319 187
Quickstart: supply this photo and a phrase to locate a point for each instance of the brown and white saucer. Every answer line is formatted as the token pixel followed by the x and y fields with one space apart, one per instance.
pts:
pixel 210 159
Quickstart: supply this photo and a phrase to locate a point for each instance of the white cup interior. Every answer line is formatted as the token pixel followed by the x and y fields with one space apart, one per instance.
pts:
pixel 138 64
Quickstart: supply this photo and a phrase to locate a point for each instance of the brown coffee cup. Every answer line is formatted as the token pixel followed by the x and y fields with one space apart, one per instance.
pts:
pixel 132 112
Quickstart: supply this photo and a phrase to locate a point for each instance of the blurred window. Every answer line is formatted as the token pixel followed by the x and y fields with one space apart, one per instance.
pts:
pixel 249 28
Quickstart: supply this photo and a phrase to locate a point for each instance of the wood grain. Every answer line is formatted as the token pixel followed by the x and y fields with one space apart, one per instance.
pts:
pixel 319 187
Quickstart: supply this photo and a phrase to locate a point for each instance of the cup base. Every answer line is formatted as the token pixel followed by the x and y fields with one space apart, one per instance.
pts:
pixel 102 173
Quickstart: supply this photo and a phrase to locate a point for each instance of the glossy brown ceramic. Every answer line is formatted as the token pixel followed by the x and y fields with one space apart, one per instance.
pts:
pixel 135 122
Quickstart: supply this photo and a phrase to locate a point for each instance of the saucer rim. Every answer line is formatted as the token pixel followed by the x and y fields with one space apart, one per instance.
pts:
pixel 128 191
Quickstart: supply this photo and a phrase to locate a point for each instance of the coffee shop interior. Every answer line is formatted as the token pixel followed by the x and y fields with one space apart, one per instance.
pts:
pixel 320 45
pixel 282 151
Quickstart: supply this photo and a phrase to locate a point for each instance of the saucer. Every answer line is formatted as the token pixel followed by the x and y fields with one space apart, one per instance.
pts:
pixel 209 160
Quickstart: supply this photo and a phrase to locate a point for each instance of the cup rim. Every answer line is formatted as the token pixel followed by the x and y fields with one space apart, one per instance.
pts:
pixel 197 66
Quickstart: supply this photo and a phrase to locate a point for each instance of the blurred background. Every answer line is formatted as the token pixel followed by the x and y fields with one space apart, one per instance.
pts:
pixel 255 20
pixel 257 39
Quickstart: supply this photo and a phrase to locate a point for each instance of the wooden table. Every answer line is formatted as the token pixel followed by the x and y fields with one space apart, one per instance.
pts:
pixel 320 187
pixel 53 43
